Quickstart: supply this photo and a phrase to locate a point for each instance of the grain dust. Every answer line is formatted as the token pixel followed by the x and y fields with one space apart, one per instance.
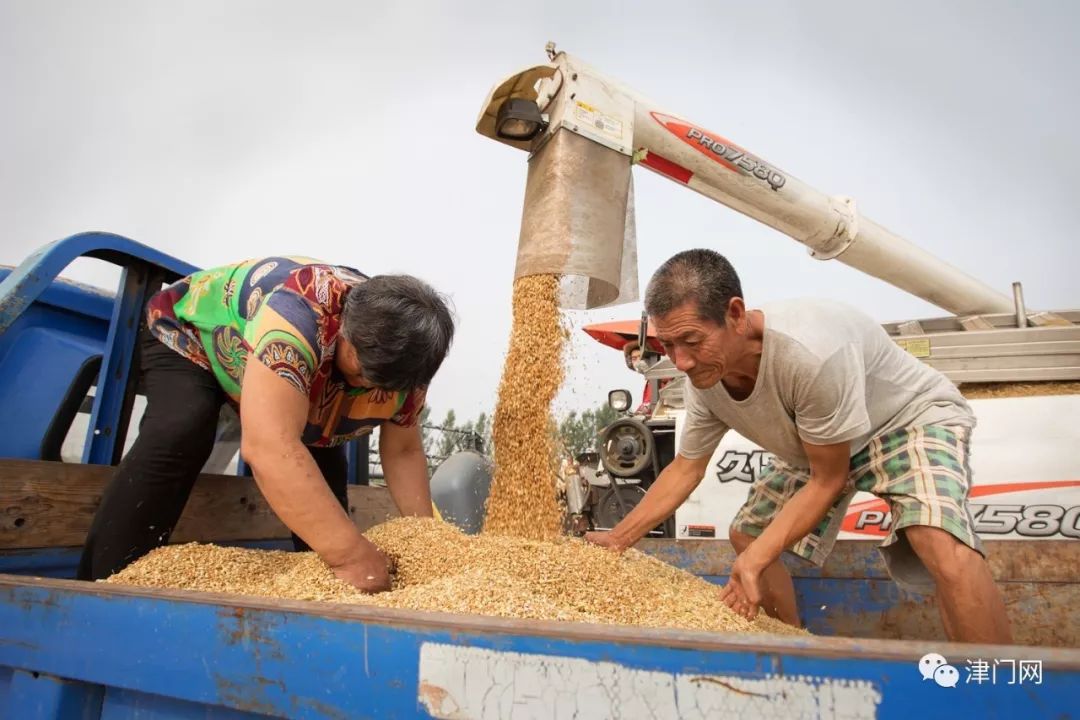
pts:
pixel 439 568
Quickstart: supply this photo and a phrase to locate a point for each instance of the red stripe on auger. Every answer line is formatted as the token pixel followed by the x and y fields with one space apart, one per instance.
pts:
pixel 665 167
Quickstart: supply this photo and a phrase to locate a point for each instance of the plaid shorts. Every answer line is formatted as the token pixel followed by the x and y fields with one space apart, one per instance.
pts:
pixel 922 473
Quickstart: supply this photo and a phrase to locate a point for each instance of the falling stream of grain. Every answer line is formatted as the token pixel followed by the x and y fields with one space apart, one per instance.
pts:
pixel 523 499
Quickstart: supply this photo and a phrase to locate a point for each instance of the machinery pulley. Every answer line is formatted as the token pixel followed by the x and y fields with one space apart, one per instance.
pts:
pixel 615 503
pixel 626 447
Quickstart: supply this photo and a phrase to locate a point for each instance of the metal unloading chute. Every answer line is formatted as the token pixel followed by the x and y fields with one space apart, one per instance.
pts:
pixel 584 132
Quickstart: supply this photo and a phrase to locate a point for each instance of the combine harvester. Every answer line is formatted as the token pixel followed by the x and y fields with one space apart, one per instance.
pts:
pixel 72 649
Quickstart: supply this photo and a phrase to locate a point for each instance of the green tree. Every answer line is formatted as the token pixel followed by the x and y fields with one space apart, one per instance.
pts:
pixel 579 433
pixel 478 428
pixel 427 437
pixel 447 442
pixel 575 432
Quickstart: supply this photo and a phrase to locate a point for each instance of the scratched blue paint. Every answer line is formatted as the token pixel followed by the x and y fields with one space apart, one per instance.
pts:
pixel 31 278
pixel 303 665
pixel 74 297
pixel 56 336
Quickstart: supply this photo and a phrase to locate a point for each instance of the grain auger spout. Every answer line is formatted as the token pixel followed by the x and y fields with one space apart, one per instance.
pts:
pixel 584 132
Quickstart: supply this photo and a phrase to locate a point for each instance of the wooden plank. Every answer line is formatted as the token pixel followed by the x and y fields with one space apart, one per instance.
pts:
pixel 1000 375
pixel 1057 347
pixel 1043 319
pixel 51 504
pixel 998 391
pixel 1001 336
pixel 1003 362
pixel 976 322
pixel 996 320
pixel 911 327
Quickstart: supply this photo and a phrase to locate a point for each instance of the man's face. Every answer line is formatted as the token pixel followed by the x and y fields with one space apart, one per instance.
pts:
pixel 349 364
pixel 698 347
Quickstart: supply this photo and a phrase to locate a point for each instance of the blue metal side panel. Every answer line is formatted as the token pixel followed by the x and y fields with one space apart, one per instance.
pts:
pixel 37 695
pixel 820 600
pixel 76 297
pixel 104 435
pixel 40 562
pixel 88 325
pixel 352 457
pixel 362 663
pixel 26 283
pixel 5 688
pixel 37 375
pixel 128 704
pixel 29 287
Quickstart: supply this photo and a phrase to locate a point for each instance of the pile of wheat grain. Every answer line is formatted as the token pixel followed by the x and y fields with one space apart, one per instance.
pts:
pixel 519 567
pixel 438 568
pixel 523 499
pixel 990 390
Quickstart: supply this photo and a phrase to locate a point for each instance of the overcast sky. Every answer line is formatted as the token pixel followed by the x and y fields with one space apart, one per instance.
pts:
pixel 217 131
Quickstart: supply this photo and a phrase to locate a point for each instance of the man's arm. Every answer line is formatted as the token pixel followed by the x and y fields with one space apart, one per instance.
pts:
pixel 828 477
pixel 272 417
pixel 670 490
pixel 401 450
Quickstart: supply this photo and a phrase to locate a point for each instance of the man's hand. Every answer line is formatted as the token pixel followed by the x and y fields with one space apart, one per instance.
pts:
pixel 605 539
pixel 798 517
pixel 743 590
pixel 671 488
pixel 369 572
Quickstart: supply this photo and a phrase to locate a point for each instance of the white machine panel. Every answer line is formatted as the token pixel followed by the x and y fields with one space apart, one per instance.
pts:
pixel 1025 456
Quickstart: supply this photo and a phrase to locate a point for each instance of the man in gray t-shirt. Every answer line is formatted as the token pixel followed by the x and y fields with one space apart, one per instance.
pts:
pixel 843 408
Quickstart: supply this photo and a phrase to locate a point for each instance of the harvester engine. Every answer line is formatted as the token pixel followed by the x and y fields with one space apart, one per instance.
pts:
pixel 608 484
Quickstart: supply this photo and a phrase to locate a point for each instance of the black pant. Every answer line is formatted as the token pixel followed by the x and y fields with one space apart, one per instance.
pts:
pixel 144 500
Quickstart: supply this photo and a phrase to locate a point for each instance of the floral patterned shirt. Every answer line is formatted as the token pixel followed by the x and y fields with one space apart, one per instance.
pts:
pixel 287 312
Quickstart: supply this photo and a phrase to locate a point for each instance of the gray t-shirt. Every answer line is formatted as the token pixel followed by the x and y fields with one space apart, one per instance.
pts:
pixel 828 374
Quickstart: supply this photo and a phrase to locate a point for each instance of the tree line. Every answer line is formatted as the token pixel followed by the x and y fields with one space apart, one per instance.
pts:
pixel 576 432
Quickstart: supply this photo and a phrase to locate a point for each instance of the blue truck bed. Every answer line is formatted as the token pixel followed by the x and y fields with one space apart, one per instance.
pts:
pixel 70 649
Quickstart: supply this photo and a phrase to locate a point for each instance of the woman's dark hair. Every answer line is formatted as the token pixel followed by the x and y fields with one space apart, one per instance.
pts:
pixel 401 329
